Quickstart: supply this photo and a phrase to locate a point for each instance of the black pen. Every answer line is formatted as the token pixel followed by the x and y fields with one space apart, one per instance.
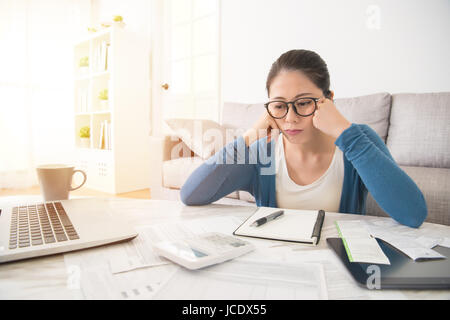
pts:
pixel 268 218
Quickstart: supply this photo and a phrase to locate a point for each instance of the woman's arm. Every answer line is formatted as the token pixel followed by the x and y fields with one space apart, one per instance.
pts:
pixel 226 171
pixel 393 190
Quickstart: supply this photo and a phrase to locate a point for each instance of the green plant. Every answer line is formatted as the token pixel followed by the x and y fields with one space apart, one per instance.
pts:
pixel 103 95
pixel 84 61
pixel 85 132
pixel 117 18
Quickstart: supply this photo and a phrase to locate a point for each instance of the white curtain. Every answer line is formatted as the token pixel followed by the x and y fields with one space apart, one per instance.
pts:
pixel 36 85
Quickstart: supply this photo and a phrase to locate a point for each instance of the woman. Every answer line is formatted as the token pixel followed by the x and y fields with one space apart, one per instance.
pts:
pixel 322 161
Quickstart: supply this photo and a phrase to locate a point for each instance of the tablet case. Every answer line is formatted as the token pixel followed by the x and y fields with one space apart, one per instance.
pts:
pixel 403 273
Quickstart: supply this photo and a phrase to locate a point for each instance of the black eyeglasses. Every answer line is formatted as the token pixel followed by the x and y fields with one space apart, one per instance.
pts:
pixel 304 107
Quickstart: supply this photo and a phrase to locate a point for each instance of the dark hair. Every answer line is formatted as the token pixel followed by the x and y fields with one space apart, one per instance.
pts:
pixel 308 62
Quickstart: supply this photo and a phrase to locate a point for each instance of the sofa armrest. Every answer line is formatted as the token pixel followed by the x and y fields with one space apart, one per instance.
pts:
pixel 174 148
pixel 156 164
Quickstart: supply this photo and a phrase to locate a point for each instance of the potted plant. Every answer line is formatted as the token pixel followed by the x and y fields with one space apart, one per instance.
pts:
pixel 84 64
pixel 118 20
pixel 85 137
pixel 103 96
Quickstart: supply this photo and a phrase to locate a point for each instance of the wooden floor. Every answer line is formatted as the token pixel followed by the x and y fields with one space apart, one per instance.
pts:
pixel 139 194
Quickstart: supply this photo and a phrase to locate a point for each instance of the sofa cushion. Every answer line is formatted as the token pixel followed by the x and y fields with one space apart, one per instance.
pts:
pixel 246 196
pixel 372 110
pixel 434 184
pixel 176 172
pixel 419 131
pixel 204 137
pixel 240 115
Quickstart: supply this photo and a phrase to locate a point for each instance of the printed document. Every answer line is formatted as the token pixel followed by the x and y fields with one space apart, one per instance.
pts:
pixel 138 252
pixel 89 277
pixel 242 279
pixel 358 243
pixel 405 239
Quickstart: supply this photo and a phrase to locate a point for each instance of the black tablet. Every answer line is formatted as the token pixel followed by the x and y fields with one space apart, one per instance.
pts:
pixel 402 273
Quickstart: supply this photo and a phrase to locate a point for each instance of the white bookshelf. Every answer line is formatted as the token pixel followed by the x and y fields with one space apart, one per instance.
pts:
pixel 116 63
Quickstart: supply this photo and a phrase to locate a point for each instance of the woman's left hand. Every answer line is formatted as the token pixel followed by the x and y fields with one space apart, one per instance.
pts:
pixel 328 119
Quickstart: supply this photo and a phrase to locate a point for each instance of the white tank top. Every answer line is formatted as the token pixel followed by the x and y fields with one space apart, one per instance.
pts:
pixel 324 193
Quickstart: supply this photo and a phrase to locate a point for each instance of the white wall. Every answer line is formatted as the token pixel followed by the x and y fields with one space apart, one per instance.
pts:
pixel 408 53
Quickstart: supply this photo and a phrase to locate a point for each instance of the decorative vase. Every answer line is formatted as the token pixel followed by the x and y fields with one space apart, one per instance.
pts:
pixel 84 70
pixel 120 24
pixel 104 104
pixel 85 142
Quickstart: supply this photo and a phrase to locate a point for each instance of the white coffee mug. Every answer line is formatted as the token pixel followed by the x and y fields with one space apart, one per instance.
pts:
pixel 55 180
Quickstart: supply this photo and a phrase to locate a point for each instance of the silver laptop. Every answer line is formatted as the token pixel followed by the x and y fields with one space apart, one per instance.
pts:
pixel 40 229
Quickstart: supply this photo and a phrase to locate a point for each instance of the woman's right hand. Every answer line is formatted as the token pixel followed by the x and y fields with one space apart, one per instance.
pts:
pixel 264 126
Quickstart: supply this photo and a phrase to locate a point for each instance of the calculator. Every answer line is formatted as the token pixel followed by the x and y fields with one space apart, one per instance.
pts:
pixel 203 250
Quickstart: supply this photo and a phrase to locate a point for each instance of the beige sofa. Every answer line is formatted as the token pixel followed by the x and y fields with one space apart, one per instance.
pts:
pixel 415 128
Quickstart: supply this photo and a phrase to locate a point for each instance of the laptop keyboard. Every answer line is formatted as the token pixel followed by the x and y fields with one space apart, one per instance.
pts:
pixel 40 224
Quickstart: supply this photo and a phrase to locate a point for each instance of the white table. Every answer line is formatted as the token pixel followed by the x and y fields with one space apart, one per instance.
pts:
pixel 51 277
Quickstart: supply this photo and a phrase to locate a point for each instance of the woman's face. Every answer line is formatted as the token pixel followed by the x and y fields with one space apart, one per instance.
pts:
pixel 288 86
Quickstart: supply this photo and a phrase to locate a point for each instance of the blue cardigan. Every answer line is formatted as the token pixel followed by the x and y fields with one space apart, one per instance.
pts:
pixel 368 166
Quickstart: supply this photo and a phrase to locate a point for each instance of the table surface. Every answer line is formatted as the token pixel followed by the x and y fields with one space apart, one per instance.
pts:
pixel 48 277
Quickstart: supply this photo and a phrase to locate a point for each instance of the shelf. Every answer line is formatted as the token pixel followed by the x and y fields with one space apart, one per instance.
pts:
pixel 82 76
pixel 114 57
pixel 100 74
pixel 92 75
pixel 93 150
pixel 101 112
pixel 99 34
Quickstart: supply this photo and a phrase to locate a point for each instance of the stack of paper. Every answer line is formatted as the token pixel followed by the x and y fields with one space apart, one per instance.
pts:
pixel 99 275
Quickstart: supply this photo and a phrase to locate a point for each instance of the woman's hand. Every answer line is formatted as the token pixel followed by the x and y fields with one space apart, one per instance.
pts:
pixel 328 119
pixel 264 126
